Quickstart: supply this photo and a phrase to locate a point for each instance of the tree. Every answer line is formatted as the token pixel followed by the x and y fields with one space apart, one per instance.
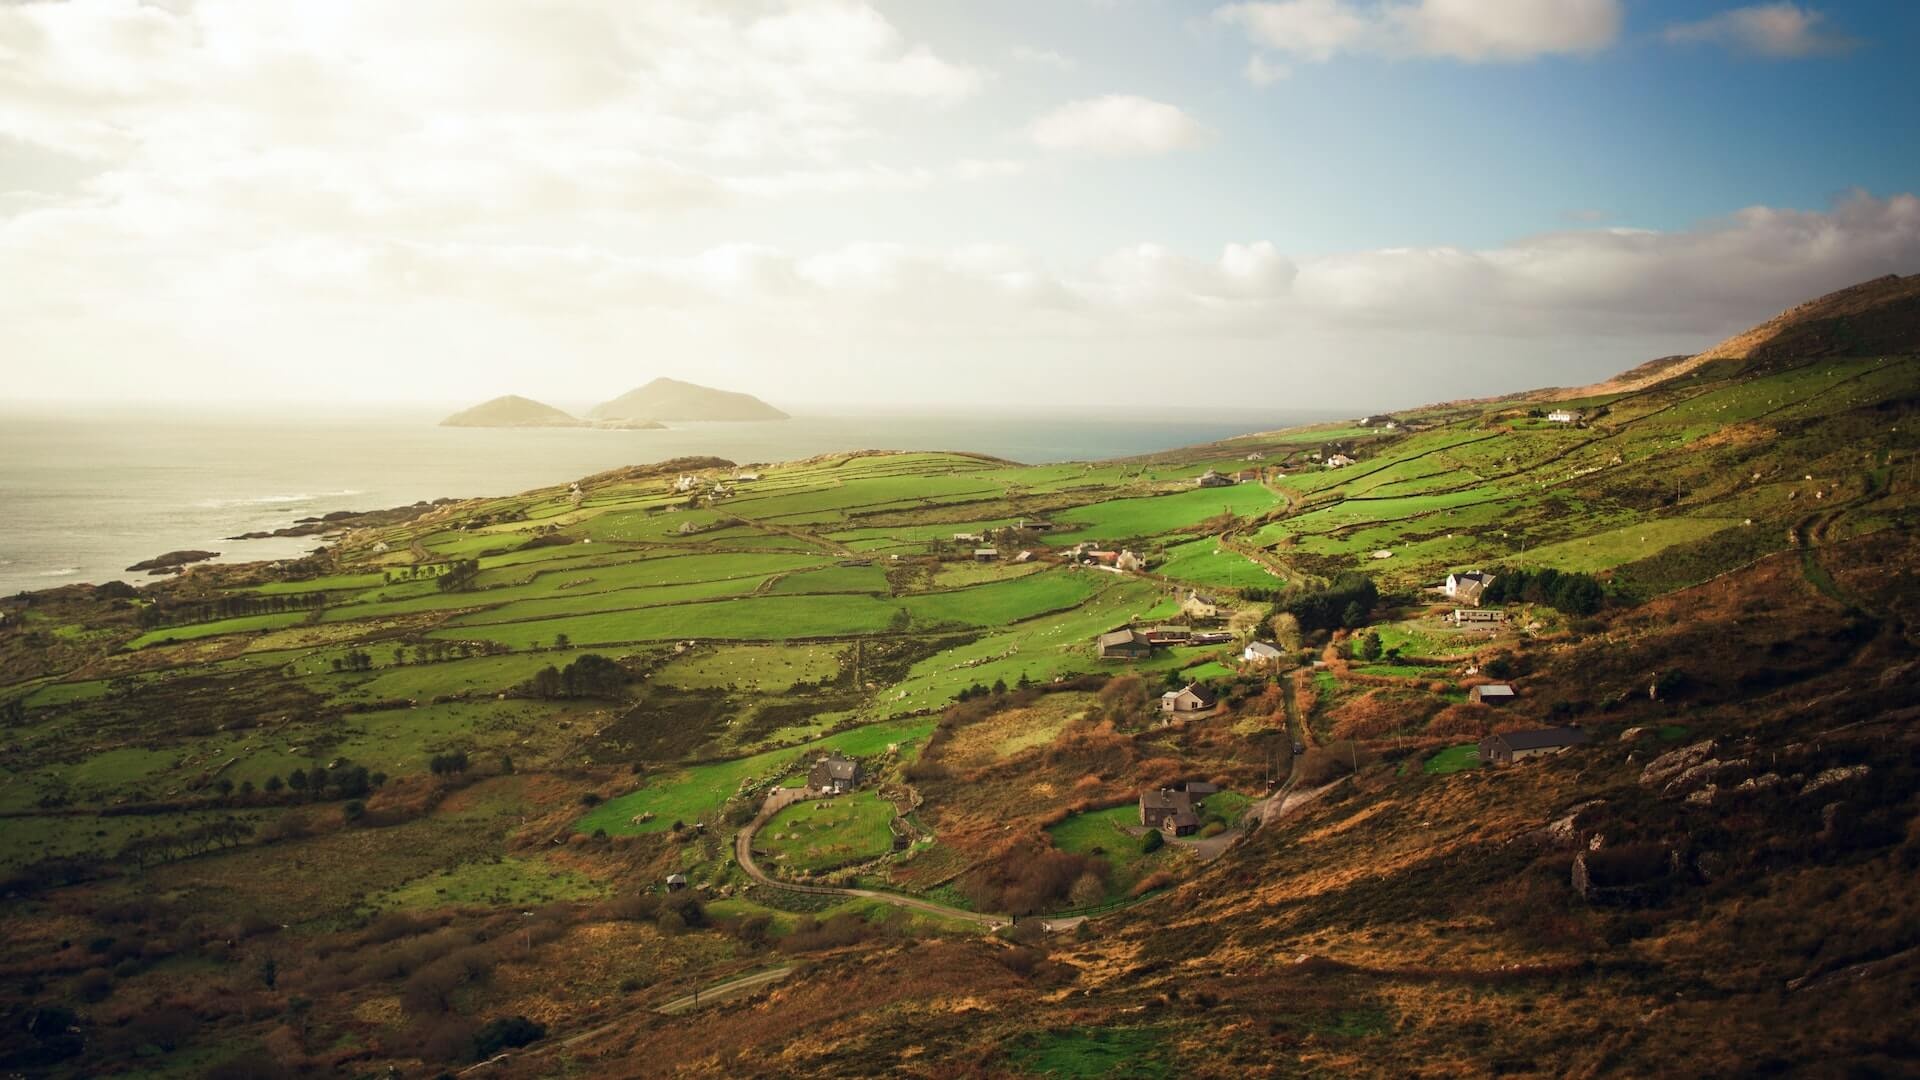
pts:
pixel 561 641
pixel 274 784
pixel 1286 631
pixel 1368 647
pixel 269 972
pixel 999 686
pixel 224 786
pixel 297 780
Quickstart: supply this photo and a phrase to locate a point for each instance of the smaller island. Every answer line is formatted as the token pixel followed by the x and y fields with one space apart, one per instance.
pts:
pixel 514 411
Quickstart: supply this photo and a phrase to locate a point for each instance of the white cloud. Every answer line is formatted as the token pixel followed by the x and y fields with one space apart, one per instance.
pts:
pixel 1261 71
pixel 1476 31
pixel 988 168
pixel 1043 57
pixel 1117 125
pixel 342 313
pixel 1775 30
pixel 437 105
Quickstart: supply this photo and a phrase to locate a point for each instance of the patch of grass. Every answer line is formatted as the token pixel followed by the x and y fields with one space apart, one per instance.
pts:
pixel 1453 759
pixel 500 883
pixel 820 835
pixel 1085 1053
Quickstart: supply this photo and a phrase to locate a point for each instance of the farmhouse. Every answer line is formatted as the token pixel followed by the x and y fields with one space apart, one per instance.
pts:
pixel 1172 812
pixel 1248 476
pixel 1197 606
pixel 1023 525
pixel 967 538
pixel 1491 694
pixel 1338 461
pixel 1562 416
pixel 1467 587
pixel 1127 560
pixel 1378 421
pixel 1168 634
pixel 1511 746
pixel 834 774
pixel 1125 645
pixel 1477 617
pixel 1191 698
pixel 1256 456
pixel 1259 652
pixel 1210 478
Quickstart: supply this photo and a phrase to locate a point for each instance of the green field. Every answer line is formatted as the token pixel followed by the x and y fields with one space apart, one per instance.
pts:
pixel 823 834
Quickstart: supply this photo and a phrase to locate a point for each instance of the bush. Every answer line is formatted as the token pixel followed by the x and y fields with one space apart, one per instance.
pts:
pixel 508 1033
pixel 1152 842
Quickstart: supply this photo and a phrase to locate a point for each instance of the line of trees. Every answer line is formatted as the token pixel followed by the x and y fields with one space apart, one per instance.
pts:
pixel 1347 602
pixel 165 613
pixel 459 577
pixel 1570 591
pixel 588 676
pixel 146 851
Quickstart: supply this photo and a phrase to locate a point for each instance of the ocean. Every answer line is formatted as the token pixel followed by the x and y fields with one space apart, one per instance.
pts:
pixel 84 494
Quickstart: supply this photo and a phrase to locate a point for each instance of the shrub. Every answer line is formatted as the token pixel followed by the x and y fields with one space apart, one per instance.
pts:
pixel 1152 842
pixel 507 1033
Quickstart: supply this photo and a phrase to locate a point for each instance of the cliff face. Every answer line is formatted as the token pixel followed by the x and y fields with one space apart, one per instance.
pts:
pixel 671 399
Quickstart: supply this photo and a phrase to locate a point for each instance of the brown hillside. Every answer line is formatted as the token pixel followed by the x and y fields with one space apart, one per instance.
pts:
pixel 1872 318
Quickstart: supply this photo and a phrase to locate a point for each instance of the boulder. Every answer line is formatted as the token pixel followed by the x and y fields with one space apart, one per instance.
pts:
pixel 1838 775
pixel 1661 770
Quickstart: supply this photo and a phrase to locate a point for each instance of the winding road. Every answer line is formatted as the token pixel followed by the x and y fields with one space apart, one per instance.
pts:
pixel 783 797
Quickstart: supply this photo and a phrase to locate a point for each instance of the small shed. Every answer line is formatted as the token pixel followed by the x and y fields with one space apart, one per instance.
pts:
pixel 1491 694
pixel 676 882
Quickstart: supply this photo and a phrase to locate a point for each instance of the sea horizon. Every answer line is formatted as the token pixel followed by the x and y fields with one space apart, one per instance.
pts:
pixel 93 488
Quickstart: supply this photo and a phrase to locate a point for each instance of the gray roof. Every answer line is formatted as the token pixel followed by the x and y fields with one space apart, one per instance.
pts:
pixel 1166 799
pixel 1261 648
pixel 840 768
pixel 1121 637
pixel 1494 690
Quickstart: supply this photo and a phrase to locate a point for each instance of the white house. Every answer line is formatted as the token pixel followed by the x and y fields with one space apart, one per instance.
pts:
pixel 1338 461
pixel 1259 652
pixel 1563 416
pixel 1467 587
pixel 1191 698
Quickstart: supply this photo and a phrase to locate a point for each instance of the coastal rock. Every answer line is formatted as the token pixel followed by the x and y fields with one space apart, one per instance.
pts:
pixel 172 561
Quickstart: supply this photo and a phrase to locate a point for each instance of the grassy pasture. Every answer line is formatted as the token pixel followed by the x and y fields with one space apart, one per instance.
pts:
pixel 1158 515
pixel 500 883
pixel 833 579
pixel 821 834
pixel 752 667
pixel 688 794
pixel 1605 550
pixel 1205 562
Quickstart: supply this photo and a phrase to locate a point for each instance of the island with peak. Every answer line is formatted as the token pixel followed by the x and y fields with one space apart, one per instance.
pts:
pixel 512 410
pixel 671 399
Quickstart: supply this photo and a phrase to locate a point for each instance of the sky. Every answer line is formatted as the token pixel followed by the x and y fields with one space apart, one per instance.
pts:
pixel 1098 203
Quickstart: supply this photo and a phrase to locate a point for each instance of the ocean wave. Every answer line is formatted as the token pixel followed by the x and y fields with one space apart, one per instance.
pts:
pixel 68 571
pixel 275 500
